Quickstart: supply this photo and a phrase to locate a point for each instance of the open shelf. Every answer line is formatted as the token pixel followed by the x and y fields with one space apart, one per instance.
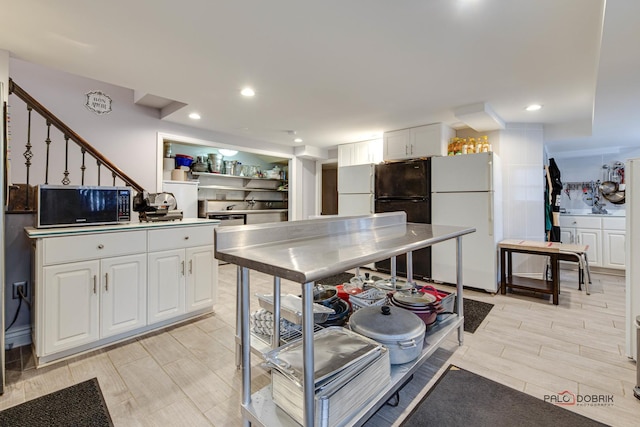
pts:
pixel 262 411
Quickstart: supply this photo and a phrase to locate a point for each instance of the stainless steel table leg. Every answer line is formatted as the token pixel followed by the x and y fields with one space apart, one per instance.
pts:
pixel 246 344
pixel 586 265
pixel 275 343
pixel 410 267
pixel 459 287
pixel 238 319
pixel 307 354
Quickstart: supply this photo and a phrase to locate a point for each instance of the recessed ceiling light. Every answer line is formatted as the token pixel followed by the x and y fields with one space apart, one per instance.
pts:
pixel 297 140
pixel 533 107
pixel 247 91
pixel 194 116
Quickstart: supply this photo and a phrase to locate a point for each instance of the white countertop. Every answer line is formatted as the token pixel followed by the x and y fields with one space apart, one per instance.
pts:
pixel 246 211
pixel 587 212
pixel 35 233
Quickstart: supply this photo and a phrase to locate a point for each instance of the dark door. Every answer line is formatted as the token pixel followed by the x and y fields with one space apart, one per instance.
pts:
pixel 418 210
pixel 403 179
pixel 329 189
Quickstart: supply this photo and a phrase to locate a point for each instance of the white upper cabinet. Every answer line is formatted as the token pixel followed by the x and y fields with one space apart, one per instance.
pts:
pixel 421 141
pixel 360 153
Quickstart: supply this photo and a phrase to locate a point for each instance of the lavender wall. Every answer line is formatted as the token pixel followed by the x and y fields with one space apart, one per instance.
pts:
pixel 127 135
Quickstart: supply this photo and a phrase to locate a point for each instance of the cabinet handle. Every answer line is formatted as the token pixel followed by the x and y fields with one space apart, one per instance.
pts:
pixel 95 284
pixel 406 150
pixel 106 281
pixel 411 148
pixel 186 237
pixel 190 266
pixel 100 246
pixel 183 268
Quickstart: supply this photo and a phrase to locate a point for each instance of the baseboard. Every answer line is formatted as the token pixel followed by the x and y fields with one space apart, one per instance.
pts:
pixel 17 337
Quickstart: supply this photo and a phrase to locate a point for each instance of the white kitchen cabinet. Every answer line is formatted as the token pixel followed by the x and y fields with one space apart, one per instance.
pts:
pixel 93 288
pixel 202 272
pixel 593 238
pixel 123 294
pixel 70 315
pixel 180 280
pixel 604 235
pixel 166 285
pixel 421 141
pixel 613 243
pixel 360 153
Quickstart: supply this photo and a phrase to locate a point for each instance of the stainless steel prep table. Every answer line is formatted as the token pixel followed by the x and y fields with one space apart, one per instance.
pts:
pixel 309 250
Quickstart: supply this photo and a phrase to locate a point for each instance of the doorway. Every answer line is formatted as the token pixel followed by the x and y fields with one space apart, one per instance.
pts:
pixel 329 189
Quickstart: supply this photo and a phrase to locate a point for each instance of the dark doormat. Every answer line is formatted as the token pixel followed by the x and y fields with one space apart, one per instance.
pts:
pixel 462 398
pixel 79 405
pixel 474 311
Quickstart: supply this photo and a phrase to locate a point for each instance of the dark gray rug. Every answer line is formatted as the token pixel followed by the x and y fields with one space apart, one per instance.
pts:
pixel 462 398
pixel 474 311
pixel 79 405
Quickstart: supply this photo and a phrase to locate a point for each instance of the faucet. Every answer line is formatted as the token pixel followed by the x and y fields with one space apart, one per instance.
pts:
pixel 598 208
pixel 251 202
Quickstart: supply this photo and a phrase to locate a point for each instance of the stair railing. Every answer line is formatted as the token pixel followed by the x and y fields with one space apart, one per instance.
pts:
pixel 69 134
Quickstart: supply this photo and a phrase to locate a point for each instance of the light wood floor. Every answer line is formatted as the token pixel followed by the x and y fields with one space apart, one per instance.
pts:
pixel 186 375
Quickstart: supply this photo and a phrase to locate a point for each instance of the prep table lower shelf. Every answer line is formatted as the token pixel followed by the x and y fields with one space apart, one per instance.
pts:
pixel 262 411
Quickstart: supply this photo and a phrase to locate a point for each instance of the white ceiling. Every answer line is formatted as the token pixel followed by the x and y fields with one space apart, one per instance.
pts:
pixel 340 71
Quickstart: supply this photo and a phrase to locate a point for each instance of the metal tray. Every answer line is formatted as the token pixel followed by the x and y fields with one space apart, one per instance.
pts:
pixel 291 308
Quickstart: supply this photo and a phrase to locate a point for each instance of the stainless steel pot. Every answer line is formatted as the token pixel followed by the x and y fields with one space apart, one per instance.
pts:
pixel 401 331
pixel 215 163
pixel 615 198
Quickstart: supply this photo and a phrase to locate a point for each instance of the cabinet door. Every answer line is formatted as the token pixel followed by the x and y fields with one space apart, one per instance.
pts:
pixel 396 145
pixel 202 272
pixel 166 285
pixel 345 155
pixel 593 238
pixel 566 236
pixel 428 141
pixel 361 154
pixel 613 249
pixel 123 304
pixel 70 305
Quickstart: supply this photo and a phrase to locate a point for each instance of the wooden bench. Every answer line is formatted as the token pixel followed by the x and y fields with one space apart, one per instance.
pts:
pixel 555 251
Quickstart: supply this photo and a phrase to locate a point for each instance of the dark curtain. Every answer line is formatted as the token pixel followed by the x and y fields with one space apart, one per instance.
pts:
pixel 554 187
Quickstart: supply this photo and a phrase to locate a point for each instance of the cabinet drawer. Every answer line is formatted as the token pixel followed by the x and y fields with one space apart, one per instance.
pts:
pixel 180 237
pixel 580 221
pixel 614 223
pixel 93 246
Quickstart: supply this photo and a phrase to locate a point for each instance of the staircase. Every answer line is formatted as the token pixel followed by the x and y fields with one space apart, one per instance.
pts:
pixel 50 158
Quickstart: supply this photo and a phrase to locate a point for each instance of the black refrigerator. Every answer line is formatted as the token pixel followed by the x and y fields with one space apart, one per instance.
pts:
pixel 406 186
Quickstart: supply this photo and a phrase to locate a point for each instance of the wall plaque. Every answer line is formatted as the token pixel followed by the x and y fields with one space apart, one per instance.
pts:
pixel 98 102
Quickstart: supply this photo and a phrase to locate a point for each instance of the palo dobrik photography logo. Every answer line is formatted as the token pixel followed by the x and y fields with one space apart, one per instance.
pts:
pixel 565 398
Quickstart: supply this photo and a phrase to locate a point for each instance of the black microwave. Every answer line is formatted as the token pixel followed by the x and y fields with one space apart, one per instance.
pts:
pixel 71 205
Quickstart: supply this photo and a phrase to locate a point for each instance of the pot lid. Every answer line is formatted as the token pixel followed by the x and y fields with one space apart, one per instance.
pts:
pixel 392 284
pixel 387 323
pixel 413 297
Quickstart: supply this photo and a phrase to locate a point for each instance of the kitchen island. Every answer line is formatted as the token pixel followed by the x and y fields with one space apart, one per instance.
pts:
pixel 309 250
pixel 97 285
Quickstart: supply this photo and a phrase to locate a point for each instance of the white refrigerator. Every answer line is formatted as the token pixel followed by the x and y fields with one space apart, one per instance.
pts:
pixel 632 246
pixel 186 194
pixel 356 190
pixel 466 190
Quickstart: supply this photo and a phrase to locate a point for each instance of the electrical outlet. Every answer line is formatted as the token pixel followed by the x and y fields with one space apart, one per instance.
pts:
pixel 19 286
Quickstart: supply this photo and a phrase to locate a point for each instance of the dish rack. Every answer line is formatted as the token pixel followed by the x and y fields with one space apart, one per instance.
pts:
pixel 370 298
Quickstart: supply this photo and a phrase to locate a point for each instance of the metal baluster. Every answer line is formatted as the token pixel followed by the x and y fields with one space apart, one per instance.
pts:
pixel 28 154
pixel 99 164
pixel 48 142
pixel 66 180
pixel 83 167
pixel 113 174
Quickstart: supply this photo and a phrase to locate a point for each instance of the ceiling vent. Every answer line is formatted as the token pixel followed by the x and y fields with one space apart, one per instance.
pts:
pixel 479 117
